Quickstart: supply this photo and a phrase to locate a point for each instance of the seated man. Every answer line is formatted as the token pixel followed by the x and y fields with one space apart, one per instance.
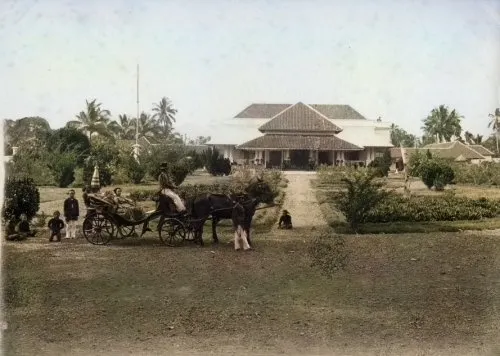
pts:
pixel 127 207
pixel 21 230
pixel 285 220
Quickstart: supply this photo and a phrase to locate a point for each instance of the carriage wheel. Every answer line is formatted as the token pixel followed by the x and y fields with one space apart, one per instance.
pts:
pixel 172 232
pixel 98 229
pixel 124 231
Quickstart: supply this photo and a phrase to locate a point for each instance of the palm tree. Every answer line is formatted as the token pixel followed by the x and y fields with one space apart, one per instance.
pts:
pixel 469 138
pixel 148 126
pixel 127 127
pixel 164 112
pixel 495 124
pixel 443 124
pixel 94 120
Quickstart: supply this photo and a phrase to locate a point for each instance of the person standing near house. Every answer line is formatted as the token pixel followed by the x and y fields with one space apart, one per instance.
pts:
pixel 71 213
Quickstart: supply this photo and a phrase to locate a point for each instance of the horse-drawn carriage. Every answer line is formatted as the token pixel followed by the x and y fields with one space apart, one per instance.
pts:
pixel 107 220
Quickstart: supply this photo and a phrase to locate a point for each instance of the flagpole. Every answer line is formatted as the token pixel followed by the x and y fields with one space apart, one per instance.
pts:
pixel 137 119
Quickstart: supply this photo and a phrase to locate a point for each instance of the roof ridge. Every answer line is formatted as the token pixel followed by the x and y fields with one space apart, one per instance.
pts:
pixel 282 111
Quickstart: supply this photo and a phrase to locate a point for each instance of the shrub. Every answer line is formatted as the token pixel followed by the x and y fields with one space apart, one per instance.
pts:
pixel 21 197
pixel 63 165
pixel 432 208
pixel 361 196
pixel 170 153
pixel 382 164
pixel 27 165
pixel 78 181
pixel 215 163
pixel 487 173
pixel 135 171
pixel 179 171
pixel 436 173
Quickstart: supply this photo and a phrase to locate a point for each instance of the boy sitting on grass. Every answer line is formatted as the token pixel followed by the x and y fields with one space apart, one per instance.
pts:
pixel 22 230
pixel 285 221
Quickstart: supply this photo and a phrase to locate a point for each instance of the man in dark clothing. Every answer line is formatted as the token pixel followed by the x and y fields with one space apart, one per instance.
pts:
pixel 71 213
pixel 285 220
pixel 55 226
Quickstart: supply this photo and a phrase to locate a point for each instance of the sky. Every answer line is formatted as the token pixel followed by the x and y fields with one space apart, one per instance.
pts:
pixel 212 58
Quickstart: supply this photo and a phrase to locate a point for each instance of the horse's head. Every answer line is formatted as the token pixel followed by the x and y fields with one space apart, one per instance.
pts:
pixel 260 190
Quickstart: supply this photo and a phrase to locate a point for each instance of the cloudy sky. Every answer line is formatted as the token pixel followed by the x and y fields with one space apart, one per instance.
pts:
pixel 395 59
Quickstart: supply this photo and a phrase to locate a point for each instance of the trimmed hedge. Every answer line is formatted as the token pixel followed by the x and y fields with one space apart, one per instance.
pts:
pixel 427 208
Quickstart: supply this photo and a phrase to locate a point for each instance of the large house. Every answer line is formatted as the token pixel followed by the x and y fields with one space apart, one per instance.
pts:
pixel 286 135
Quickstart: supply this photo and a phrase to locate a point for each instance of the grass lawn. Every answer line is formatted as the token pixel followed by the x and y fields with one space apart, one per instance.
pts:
pixel 418 294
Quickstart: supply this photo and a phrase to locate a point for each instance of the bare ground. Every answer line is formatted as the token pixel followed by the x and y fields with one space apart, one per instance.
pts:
pixel 412 294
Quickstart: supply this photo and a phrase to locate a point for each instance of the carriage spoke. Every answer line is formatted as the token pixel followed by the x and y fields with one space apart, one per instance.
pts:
pixel 98 229
pixel 172 232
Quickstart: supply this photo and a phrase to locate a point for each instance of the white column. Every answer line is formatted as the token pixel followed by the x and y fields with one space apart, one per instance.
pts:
pixel 286 153
pixel 14 150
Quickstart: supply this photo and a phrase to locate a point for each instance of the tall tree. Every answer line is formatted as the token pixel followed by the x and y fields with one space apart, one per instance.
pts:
pixel 443 124
pixel 94 120
pixel 28 132
pixel 400 137
pixel 494 124
pixel 148 126
pixel 127 127
pixel 165 113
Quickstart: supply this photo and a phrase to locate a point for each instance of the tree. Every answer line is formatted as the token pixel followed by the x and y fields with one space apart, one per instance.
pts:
pixel 148 126
pixel 443 124
pixel 361 195
pixel 470 139
pixel 400 137
pixel 63 165
pixel 94 120
pixel 200 140
pixel 165 113
pixel 105 155
pixel 126 127
pixel 382 164
pixel 21 197
pixel 29 132
pixel 494 124
pixel 70 139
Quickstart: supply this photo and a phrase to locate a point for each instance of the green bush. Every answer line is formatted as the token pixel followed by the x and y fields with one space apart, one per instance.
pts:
pixel 63 165
pixel 21 197
pixel 432 208
pixel 28 165
pixel 436 173
pixel 361 196
pixel 134 170
pixel 485 173
pixel 215 163
pixel 382 164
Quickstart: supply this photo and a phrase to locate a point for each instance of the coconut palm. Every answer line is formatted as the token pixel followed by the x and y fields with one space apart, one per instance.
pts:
pixel 443 124
pixel 495 124
pixel 94 120
pixel 127 127
pixel 164 112
pixel 148 126
pixel 470 139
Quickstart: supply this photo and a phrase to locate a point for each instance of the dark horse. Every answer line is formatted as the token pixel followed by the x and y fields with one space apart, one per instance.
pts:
pixel 219 207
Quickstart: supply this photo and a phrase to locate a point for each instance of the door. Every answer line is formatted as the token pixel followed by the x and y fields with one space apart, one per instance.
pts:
pixel 275 159
pixel 299 159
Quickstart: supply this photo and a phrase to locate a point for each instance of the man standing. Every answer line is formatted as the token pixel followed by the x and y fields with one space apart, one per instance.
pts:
pixel 166 187
pixel 71 213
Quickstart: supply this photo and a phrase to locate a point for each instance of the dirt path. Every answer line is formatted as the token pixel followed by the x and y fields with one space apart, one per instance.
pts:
pixel 300 201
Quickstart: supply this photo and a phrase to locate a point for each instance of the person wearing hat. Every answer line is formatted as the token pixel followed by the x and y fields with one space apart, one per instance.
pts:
pixel 166 188
pixel 285 220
